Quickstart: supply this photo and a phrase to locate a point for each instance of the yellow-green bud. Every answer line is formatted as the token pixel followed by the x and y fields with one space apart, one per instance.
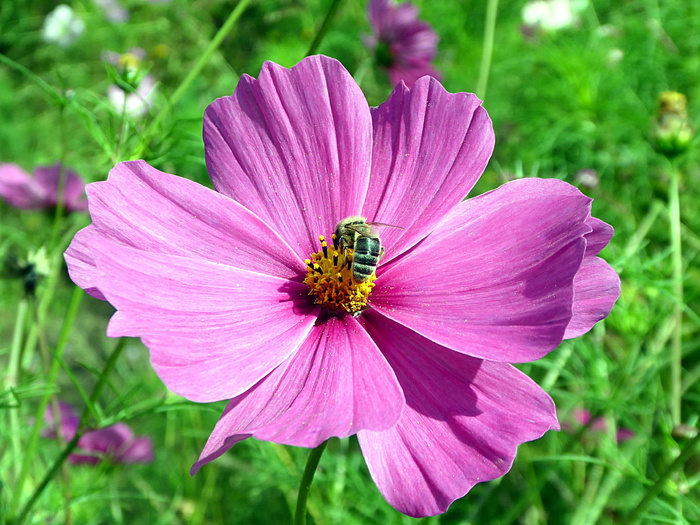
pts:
pixel 671 131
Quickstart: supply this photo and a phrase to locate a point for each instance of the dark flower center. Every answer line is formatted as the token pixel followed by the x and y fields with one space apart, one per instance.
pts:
pixel 384 55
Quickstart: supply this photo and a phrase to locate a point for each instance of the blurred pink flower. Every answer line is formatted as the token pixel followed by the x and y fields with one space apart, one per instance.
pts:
pixel 113 10
pixel 41 191
pixel 581 417
pixel 221 288
pixel 116 443
pixel 403 45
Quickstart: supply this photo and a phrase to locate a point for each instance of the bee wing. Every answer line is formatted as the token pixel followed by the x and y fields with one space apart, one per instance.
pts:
pixel 384 224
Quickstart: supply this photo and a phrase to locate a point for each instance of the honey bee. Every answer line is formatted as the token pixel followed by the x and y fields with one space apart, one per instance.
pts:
pixel 362 237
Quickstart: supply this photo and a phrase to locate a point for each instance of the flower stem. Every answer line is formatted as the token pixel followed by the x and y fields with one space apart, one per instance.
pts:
pixel 60 195
pixel 324 28
pixel 50 380
pixel 70 446
pixel 487 52
pixel 28 452
pixel 306 479
pixel 192 75
pixel 12 378
pixel 663 480
pixel 677 261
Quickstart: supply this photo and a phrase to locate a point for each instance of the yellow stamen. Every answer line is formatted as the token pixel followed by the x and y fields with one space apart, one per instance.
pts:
pixel 329 278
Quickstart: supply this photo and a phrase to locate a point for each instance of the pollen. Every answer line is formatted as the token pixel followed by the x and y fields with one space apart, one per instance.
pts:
pixel 329 278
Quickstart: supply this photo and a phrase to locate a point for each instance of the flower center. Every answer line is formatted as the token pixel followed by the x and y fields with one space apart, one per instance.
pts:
pixel 329 277
pixel 384 55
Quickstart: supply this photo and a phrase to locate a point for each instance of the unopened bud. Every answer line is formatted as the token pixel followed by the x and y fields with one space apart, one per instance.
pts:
pixel 671 132
pixel 684 431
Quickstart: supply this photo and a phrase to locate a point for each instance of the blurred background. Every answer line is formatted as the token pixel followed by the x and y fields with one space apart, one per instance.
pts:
pixel 573 96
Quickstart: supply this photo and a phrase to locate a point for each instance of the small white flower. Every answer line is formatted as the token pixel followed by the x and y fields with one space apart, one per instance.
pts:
pixel 62 26
pixel 552 15
pixel 615 56
pixel 134 104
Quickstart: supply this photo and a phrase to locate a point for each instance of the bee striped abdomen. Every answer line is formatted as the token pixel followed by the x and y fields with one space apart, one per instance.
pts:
pixel 366 256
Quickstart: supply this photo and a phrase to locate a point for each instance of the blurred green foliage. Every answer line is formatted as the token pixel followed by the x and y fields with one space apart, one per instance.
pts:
pixel 580 98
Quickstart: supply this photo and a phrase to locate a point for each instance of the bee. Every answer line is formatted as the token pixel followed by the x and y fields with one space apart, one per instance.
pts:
pixel 362 237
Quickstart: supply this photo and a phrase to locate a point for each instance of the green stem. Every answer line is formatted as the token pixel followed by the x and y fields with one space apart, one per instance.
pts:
pixel 13 373
pixel 663 479
pixel 60 205
pixel 324 28
pixel 192 75
pixel 27 456
pixel 101 382
pixel 306 480
pixel 677 261
pixel 487 52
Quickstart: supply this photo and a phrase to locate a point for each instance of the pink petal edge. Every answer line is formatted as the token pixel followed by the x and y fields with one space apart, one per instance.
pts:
pixel 295 146
pixel 200 320
pixel 463 421
pixel 336 384
pixel 419 131
pixel 495 279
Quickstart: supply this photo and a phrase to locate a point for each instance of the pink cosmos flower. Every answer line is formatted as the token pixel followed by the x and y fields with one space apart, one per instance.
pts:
pixel 22 190
pixel 234 297
pixel 403 45
pixel 115 443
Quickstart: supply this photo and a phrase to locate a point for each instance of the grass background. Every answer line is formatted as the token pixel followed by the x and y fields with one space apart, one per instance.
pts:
pixel 559 105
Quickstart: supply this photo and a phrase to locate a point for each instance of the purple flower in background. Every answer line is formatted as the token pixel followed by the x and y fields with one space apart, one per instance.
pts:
pixel 113 10
pixel 116 443
pixel 582 417
pixel 41 191
pixel 403 45
pixel 235 299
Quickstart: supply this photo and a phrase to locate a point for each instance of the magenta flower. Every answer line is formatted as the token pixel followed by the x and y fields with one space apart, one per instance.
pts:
pixel 22 190
pixel 116 443
pixel 403 45
pixel 581 417
pixel 235 299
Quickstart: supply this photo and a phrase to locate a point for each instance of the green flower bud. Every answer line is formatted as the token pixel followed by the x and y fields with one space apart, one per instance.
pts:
pixel 671 132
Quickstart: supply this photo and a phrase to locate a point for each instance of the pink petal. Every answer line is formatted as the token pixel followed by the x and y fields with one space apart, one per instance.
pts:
pixel 336 384
pixel 293 145
pixel 106 440
pixel 49 178
pixel 463 421
pixel 599 237
pixel 139 450
pixel 495 280
pixel 19 188
pixel 596 288
pixel 624 434
pixel 68 421
pixel 145 208
pixel 85 459
pixel 81 265
pixel 213 330
pixel 430 148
